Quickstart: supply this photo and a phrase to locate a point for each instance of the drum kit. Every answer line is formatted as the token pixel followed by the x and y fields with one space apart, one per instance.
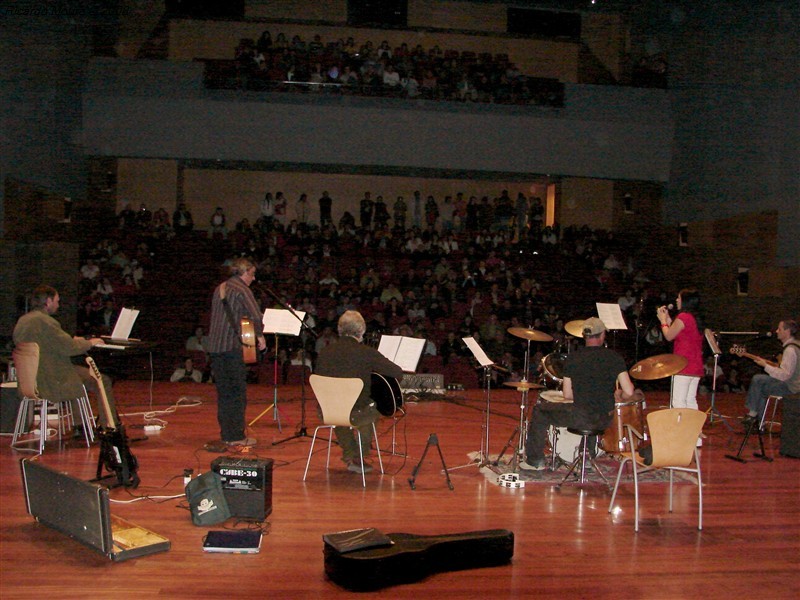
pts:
pixel 563 444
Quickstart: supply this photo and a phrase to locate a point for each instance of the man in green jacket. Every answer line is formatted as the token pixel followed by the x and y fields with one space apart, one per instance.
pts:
pixel 58 379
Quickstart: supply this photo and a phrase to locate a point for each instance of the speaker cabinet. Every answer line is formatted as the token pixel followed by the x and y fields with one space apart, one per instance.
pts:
pixel 247 485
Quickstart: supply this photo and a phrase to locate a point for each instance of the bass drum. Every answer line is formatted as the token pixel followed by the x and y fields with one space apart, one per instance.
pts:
pixel 387 394
pixel 553 369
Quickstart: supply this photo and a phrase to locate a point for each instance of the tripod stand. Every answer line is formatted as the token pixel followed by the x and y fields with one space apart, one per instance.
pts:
pixel 483 456
pixel 274 406
pixel 712 411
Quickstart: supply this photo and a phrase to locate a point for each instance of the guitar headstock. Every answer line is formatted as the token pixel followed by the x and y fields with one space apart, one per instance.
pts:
pixel 738 350
pixel 93 370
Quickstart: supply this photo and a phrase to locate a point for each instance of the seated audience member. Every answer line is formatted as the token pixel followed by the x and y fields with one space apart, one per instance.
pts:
pixel 198 341
pixel 187 373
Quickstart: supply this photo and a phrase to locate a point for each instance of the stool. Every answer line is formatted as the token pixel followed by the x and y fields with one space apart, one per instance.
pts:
pixel 774 401
pixel 65 419
pixel 584 455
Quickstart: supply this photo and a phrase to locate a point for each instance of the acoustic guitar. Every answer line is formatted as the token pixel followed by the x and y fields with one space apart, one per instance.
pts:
pixel 742 351
pixel 411 557
pixel 386 393
pixel 248 337
pixel 115 455
pixel 247 330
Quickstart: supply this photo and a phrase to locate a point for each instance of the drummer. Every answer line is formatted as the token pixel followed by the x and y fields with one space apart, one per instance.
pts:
pixel 591 375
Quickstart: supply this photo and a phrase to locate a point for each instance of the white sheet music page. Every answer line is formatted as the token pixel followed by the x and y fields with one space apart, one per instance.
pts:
pixel 611 316
pixel 279 320
pixel 478 352
pixel 124 324
pixel 403 351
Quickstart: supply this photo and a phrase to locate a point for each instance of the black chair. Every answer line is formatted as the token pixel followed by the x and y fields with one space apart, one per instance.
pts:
pixel 584 455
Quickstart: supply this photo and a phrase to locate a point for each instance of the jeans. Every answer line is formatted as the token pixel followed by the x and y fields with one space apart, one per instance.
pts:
pixel 761 387
pixel 546 414
pixel 230 377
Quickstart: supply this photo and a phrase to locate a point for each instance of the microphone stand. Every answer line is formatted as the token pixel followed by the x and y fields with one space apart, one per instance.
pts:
pixel 302 430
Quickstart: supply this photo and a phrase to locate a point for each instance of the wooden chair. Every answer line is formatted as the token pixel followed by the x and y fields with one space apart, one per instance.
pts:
pixel 673 433
pixel 26 361
pixel 336 397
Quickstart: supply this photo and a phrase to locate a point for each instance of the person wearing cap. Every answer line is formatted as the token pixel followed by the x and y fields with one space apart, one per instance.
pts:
pixel 591 375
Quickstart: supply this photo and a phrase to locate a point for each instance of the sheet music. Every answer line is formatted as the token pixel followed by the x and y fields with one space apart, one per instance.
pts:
pixel 478 352
pixel 124 324
pixel 279 320
pixel 611 316
pixel 403 351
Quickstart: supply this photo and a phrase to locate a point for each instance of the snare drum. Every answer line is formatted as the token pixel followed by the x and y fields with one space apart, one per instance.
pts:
pixel 615 438
pixel 553 369
pixel 556 396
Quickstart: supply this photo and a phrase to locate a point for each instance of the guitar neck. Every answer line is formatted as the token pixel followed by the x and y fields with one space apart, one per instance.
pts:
pixel 755 357
pixel 95 373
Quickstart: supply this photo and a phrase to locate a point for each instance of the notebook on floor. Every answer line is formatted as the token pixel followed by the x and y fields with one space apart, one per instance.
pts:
pixel 80 509
pixel 240 541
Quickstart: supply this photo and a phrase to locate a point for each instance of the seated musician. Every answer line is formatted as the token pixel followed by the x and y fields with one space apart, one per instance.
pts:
pixel 591 375
pixel 778 379
pixel 348 357
pixel 58 378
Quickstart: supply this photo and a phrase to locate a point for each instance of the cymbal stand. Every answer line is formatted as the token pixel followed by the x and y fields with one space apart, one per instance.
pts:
pixel 522 428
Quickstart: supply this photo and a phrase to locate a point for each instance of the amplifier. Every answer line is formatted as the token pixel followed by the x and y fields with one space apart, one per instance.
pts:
pixel 247 485
pixel 422 381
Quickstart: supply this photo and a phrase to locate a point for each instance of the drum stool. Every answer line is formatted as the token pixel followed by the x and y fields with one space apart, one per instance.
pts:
pixel 584 455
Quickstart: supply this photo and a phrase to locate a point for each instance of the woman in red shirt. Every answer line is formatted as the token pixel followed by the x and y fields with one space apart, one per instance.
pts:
pixel 684 332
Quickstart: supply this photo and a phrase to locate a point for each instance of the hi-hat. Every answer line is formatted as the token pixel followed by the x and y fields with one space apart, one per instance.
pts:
pixel 575 328
pixel 524 385
pixel 658 366
pixel 530 334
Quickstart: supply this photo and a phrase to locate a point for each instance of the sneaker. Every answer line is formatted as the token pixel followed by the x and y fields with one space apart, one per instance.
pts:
pixel 355 467
pixel 243 443
pixel 536 465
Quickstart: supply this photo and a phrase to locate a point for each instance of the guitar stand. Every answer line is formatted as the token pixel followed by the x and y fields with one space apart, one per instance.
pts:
pixel 124 477
pixel 755 424
pixel 433 440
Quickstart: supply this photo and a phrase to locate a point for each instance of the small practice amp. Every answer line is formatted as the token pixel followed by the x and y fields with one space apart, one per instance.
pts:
pixel 247 485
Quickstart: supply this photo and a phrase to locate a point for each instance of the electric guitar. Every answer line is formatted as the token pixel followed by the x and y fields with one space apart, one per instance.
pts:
pixel 742 351
pixel 115 455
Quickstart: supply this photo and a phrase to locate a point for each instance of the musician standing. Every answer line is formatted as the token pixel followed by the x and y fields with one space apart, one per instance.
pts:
pixel 779 380
pixel 591 375
pixel 57 377
pixel 232 301
pixel 348 357
pixel 684 333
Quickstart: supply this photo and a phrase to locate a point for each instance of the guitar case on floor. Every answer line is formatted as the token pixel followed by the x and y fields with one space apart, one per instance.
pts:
pixel 790 426
pixel 406 557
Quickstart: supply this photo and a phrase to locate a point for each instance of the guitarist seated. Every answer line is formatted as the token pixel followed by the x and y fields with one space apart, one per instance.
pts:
pixel 348 357
pixel 779 379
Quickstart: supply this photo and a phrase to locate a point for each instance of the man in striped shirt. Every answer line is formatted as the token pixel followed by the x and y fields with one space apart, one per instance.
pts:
pixel 232 301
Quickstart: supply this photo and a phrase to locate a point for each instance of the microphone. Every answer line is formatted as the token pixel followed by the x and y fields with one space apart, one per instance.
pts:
pixel 670 306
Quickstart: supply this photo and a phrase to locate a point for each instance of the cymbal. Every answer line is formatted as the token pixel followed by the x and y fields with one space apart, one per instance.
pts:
pixel 575 328
pixel 524 385
pixel 658 366
pixel 530 334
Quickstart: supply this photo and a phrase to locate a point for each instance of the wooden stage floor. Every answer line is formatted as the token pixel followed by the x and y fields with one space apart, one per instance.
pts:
pixel 567 545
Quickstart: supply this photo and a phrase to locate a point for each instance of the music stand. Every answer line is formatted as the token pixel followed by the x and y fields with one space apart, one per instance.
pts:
pixel 712 411
pixel 487 364
pixel 278 321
